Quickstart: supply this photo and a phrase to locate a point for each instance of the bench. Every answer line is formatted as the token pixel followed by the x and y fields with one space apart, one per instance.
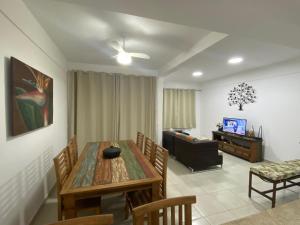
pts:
pixel 275 173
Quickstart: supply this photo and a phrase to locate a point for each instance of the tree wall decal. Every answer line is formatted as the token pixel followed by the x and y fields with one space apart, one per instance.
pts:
pixel 241 94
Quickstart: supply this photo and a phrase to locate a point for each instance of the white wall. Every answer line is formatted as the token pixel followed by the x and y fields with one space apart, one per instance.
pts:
pixel 277 108
pixel 26 172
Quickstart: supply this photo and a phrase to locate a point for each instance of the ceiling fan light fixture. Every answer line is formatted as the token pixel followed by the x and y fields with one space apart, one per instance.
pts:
pixel 124 58
pixel 197 73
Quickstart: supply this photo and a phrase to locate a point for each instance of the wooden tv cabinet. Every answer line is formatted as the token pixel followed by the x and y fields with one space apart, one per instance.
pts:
pixel 249 148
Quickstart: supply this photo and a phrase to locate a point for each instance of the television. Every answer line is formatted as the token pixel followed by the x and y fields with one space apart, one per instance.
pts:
pixel 234 125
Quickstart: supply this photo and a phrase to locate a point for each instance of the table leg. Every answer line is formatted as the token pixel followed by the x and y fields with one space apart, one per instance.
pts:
pixel 69 206
pixel 155 197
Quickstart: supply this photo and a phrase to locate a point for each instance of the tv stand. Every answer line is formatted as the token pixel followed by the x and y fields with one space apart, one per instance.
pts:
pixel 249 148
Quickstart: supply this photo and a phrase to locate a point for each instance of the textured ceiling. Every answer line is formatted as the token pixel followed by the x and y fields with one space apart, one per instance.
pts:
pixel 84 34
pixel 178 35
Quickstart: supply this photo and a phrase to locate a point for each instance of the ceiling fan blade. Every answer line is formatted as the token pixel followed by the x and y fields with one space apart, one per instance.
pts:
pixel 116 46
pixel 139 55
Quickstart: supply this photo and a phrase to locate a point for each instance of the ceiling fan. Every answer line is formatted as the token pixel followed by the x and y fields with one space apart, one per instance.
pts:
pixel 124 57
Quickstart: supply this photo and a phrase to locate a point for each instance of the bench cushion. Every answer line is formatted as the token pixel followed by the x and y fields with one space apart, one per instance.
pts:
pixel 295 162
pixel 278 171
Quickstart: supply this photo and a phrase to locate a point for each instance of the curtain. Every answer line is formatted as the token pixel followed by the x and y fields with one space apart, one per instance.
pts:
pixel 105 106
pixel 137 106
pixel 179 108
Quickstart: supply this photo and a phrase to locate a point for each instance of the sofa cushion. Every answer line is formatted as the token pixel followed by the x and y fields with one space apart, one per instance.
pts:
pixel 187 138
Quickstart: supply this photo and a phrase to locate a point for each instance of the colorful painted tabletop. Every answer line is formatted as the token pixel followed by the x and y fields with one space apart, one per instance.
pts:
pixel 96 170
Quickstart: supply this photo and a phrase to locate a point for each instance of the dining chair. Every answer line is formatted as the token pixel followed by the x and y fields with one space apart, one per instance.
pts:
pixel 73 151
pixel 149 149
pixel 105 219
pixel 137 198
pixel 152 211
pixel 140 140
pixel 63 168
pixel 160 163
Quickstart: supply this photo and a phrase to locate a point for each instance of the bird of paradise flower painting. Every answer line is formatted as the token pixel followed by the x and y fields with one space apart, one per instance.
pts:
pixel 31 98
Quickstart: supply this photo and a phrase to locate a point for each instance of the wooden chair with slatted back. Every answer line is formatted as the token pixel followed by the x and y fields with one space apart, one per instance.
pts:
pixel 161 165
pixel 106 219
pixel 149 149
pixel 140 140
pixel 150 212
pixel 73 151
pixel 137 198
pixel 63 168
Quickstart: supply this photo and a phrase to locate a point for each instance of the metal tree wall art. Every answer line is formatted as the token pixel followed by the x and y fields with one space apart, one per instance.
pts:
pixel 241 95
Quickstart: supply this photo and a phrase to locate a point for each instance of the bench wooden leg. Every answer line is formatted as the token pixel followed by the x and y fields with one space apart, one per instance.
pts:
pixel 250 184
pixel 274 195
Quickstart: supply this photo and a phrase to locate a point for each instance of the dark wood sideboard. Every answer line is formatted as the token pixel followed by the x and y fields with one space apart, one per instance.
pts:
pixel 249 148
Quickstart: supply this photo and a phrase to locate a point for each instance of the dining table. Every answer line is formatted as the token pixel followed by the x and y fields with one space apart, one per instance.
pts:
pixel 94 174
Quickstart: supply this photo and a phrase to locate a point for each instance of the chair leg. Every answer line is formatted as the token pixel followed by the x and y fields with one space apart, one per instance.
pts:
pixel 126 211
pixel 59 215
pixel 59 210
pixel 250 184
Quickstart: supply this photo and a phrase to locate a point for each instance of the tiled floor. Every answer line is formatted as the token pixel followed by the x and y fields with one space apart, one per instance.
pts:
pixel 221 194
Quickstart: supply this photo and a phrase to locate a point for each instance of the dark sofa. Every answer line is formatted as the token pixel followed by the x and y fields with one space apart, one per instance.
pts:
pixel 194 154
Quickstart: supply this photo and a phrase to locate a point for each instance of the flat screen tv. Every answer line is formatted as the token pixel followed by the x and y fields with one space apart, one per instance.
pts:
pixel 234 125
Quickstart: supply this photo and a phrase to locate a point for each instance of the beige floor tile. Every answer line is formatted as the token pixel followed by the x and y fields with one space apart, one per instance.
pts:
pixel 245 211
pixel 173 192
pixel 209 188
pixel 201 221
pixel 47 214
pixel 209 205
pixel 196 213
pixel 220 218
pixel 229 200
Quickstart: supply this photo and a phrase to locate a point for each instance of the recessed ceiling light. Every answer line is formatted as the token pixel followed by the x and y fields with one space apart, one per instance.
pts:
pixel 197 73
pixel 124 58
pixel 235 60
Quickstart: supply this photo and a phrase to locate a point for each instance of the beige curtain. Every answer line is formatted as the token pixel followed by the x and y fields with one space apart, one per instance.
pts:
pixel 137 106
pixel 110 106
pixel 179 108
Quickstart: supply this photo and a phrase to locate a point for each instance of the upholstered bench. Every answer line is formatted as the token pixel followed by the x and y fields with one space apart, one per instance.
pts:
pixel 275 173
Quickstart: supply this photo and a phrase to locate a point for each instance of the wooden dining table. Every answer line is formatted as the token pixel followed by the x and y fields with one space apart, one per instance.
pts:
pixel 95 175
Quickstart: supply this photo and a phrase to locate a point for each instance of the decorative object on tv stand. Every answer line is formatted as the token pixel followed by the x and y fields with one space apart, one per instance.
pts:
pixel 260 132
pixel 251 133
pixel 31 98
pixel 220 126
pixel 241 94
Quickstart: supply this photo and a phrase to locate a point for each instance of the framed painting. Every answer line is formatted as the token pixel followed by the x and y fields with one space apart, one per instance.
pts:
pixel 31 98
